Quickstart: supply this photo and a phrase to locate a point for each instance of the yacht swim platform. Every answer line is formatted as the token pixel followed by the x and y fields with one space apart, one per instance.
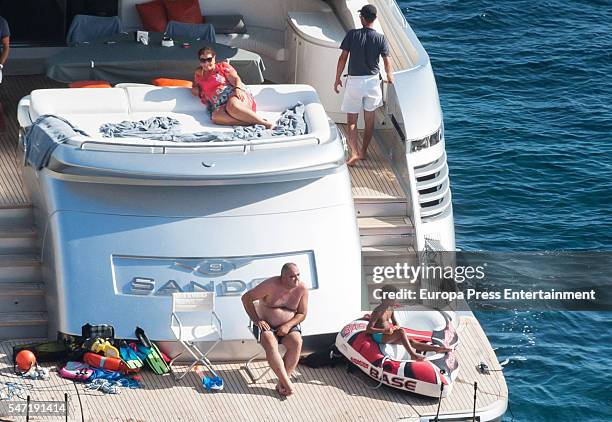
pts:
pixel 323 394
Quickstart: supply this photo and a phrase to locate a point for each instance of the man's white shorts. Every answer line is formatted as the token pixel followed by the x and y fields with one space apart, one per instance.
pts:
pixel 362 92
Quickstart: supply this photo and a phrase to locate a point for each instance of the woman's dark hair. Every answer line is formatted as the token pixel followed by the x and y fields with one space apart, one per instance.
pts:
pixel 205 50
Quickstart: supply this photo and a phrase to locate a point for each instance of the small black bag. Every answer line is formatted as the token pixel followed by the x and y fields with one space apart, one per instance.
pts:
pixel 330 357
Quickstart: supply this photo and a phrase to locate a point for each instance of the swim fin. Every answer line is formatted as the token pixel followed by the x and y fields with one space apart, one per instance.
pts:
pixel 142 356
pixel 154 359
pixel 129 356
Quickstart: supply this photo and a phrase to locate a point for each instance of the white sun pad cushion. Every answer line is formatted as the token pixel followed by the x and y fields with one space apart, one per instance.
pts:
pixel 90 108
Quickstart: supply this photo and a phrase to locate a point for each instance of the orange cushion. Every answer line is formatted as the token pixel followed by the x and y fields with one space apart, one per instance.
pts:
pixel 186 11
pixel 171 82
pixel 153 15
pixel 89 84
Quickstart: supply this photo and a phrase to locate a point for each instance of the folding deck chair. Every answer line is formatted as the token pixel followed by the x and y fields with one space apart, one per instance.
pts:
pixel 189 311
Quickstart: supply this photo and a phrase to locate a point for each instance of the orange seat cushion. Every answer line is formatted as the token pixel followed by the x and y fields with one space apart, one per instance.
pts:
pixel 186 11
pixel 89 84
pixel 171 82
pixel 153 15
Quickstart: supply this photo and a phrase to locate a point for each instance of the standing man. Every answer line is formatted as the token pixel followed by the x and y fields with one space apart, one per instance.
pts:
pixel 282 304
pixel 363 48
pixel 5 35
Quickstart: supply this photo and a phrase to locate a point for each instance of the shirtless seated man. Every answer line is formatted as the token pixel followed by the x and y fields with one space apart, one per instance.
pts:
pixel 384 327
pixel 282 303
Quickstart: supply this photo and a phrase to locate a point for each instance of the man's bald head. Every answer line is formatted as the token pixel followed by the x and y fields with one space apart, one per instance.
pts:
pixel 287 266
pixel 290 274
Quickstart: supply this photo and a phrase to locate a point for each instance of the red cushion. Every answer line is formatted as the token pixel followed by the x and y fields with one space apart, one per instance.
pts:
pixel 89 84
pixel 153 15
pixel 171 82
pixel 186 11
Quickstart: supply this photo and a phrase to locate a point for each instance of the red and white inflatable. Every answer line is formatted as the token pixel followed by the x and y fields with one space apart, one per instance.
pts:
pixel 391 364
pixel 102 362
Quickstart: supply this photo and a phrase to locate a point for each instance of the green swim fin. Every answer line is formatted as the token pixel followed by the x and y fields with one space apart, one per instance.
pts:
pixel 154 359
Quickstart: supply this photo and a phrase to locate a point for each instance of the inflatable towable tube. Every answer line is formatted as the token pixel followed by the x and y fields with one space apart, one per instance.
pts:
pixel 391 363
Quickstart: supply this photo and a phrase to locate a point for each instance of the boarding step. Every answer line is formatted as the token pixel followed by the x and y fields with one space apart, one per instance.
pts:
pixel 17 216
pixel 21 297
pixel 387 255
pixel 15 240
pixel 389 231
pixel 19 268
pixel 17 325
pixel 379 207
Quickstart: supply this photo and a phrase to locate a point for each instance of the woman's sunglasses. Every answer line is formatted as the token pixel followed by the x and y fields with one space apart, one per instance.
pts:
pixel 206 59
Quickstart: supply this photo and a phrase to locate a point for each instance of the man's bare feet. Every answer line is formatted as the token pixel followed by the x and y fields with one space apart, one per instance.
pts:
pixel 284 390
pixel 353 160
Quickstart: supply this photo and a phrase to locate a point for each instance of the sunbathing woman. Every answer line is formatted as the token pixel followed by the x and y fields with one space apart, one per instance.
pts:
pixel 384 327
pixel 219 86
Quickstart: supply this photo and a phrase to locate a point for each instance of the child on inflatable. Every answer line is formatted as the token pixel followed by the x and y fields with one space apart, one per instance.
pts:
pixel 385 330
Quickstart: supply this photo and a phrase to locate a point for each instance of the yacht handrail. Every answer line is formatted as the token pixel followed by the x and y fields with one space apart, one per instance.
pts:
pixel 301 140
pixel 396 23
pixel 397 12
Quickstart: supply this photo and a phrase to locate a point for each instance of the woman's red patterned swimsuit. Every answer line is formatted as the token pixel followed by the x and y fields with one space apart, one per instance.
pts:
pixel 215 89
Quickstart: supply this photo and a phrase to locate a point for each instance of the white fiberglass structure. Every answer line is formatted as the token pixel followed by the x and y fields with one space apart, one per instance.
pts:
pixel 126 222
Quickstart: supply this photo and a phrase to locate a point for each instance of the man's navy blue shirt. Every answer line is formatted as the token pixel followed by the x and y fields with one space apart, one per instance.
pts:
pixel 4 28
pixel 365 46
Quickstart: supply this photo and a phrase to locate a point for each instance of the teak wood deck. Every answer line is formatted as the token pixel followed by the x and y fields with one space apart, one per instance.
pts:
pixel 325 394
pixel 374 179
pixel 12 89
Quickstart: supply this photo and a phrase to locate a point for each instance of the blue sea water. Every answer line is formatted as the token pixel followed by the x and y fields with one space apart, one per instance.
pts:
pixel 526 89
